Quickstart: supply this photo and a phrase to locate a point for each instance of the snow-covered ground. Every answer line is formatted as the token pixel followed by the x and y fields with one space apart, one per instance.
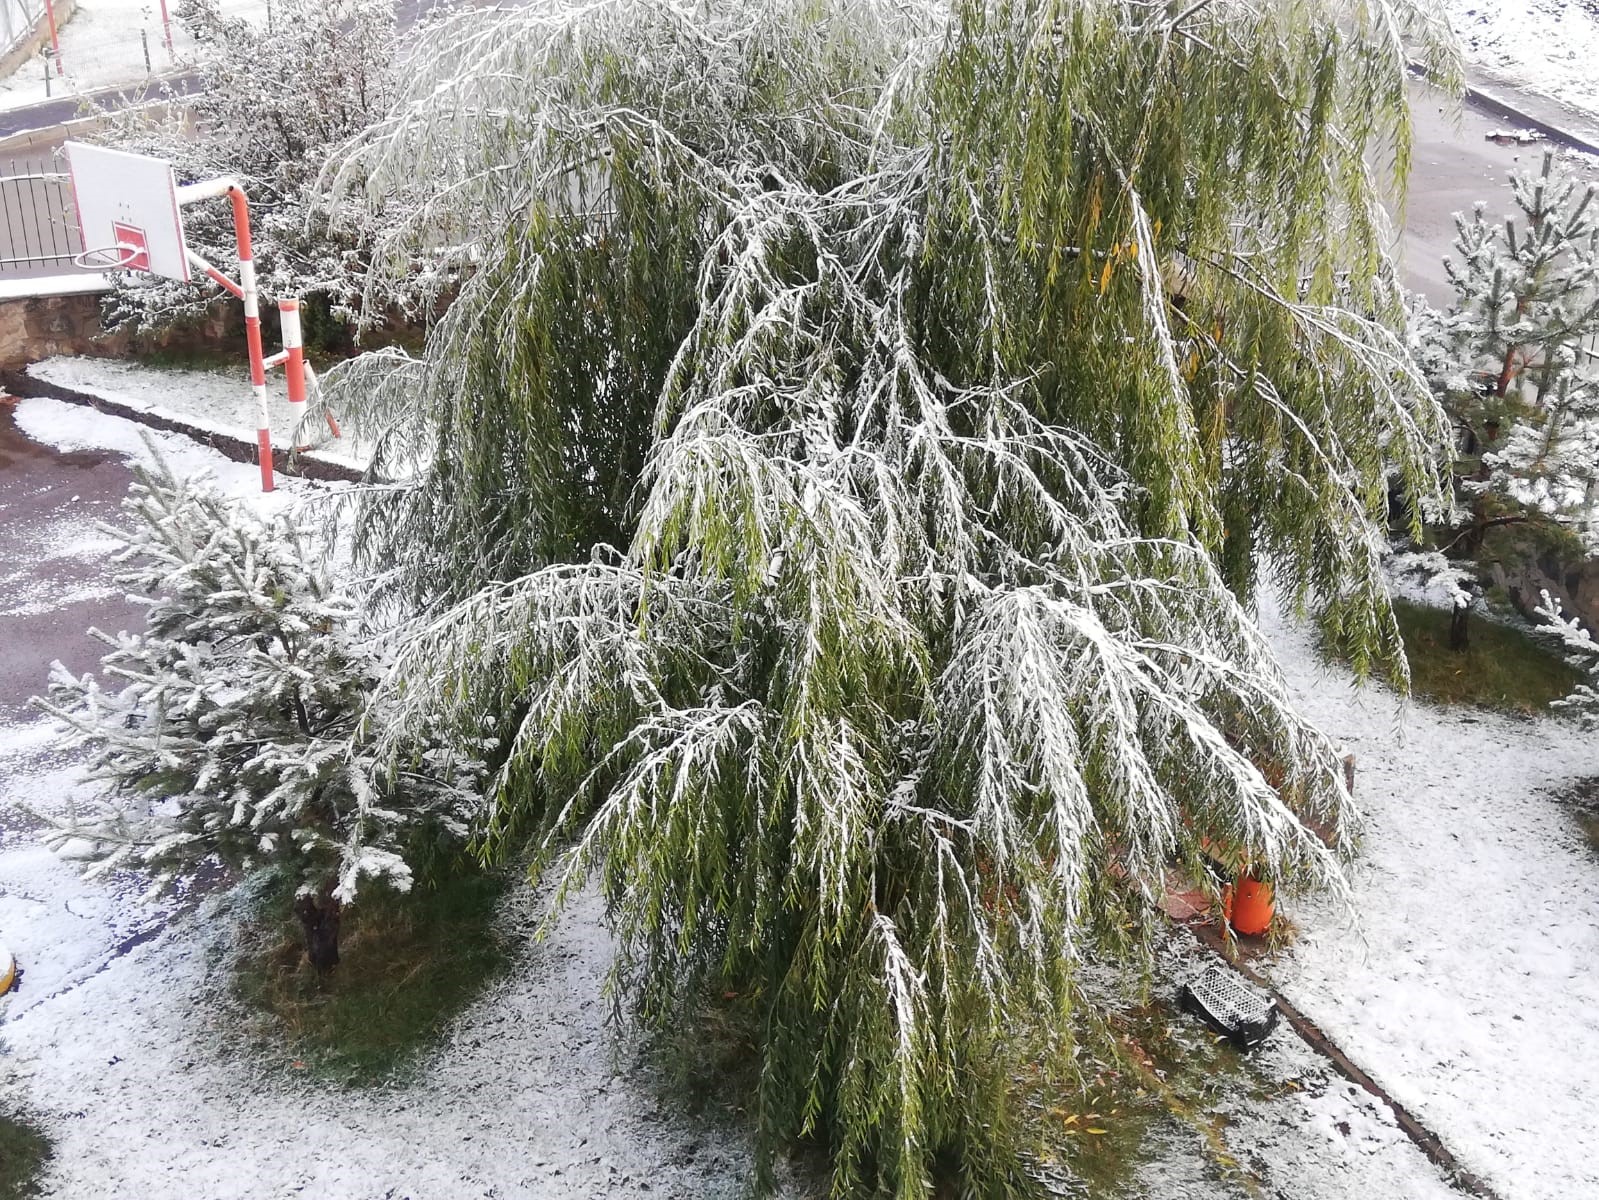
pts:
pixel 1546 46
pixel 1469 987
pixel 103 46
pixel 1465 990
pixel 119 1041
pixel 209 401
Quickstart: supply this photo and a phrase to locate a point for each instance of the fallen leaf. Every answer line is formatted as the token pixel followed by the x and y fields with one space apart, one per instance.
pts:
pixel 1096 1131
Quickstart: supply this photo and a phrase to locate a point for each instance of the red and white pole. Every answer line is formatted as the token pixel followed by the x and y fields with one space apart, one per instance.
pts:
pixel 293 362
pixel 166 26
pixel 55 41
pixel 252 331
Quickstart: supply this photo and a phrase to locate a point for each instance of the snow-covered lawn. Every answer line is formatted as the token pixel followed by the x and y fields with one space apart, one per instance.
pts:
pixel 1467 990
pixel 122 1043
pixel 210 401
pixel 1469 987
pixel 1547 46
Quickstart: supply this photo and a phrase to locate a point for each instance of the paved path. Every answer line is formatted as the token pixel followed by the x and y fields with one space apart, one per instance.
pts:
pixel 1454 166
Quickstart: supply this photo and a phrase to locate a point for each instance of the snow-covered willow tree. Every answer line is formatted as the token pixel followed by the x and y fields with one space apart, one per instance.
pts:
pixel 845 475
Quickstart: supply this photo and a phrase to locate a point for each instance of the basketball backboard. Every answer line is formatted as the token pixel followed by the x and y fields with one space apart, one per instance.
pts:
pixel 127 211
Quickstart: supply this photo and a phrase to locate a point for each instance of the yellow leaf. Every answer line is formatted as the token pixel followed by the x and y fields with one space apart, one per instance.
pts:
pixel 1071 1120
pixel 1104 276
pixel 1096 1131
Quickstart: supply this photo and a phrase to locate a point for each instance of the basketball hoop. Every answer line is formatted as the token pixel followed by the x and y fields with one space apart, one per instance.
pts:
pixel 121 256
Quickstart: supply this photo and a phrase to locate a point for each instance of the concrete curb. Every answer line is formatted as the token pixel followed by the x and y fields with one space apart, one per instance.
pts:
pixel 1506 110
pixel 1489 102
pixel 1425 1140
pixel 239 449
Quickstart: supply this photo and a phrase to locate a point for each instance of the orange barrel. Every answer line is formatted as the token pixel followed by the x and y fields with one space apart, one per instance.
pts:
pixel 1248 907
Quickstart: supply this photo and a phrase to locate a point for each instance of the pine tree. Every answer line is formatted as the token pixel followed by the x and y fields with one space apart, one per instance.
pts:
pixel 845 473
pixel 1511 362
pixel 234 728
pixel 1582 652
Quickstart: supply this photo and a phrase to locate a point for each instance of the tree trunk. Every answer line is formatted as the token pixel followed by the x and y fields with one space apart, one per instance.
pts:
pixel 1459 634
pixel 319 915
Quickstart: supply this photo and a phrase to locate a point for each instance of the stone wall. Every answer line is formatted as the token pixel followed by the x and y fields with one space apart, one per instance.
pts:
pixel 35 327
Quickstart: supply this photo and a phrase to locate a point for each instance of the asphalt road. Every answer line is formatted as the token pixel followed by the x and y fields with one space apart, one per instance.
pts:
pixel 54 580
pixel 1454 165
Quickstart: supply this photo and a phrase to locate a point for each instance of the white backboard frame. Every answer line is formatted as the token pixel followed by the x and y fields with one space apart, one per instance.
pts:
pixel 129 201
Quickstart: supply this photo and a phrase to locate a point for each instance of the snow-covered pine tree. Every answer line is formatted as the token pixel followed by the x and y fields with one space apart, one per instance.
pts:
pixel 846 471
pixel 275 101
pixel 231 727
pixel 1511 361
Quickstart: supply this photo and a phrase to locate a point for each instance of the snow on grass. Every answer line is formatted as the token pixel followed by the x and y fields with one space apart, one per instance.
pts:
pixel 1467 988
pixel 1547 46
pixel 209 401
pixel 1299 1128
pixel 138 1073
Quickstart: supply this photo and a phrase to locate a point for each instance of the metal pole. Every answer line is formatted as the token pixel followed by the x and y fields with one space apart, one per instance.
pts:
pixel 252 330
pixel 45 58
pixel 166 26
pixel 144 40
pixel 293 363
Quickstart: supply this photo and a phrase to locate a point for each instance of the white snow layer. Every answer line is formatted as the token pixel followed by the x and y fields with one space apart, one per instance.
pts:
pixel 207 401
pixel 1546 46
pixel 104 45
pixel 1468 988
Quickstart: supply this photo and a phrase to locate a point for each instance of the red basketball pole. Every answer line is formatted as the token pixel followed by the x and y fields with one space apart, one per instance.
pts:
pixel 246 290
pixel 166 26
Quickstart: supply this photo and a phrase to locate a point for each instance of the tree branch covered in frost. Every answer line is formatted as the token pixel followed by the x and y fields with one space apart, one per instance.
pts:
pixel 230 726
pixel 1509 361
pixel 1583 653
pixel 844 476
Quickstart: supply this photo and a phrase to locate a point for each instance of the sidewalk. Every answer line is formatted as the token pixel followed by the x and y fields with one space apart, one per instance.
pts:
pixel 104 46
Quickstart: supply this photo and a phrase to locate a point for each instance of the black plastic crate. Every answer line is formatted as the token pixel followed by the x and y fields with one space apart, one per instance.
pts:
pixel 1231 1005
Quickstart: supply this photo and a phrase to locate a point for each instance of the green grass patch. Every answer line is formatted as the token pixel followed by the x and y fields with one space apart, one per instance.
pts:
pixel 1503 668
pixel 1156 1069
pixel 408 963
pixel 24 1150
pixel 1589 823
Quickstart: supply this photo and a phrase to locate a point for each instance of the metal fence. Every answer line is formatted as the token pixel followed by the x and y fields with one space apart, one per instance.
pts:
pixel 38 222
pixel 17 19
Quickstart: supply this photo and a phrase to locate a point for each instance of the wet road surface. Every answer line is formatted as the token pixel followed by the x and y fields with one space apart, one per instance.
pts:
pixel 55 577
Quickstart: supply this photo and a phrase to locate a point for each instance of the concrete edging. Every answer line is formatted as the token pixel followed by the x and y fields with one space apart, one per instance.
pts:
pixel 239 449
pixel 1497 105
pixel 1425 1140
